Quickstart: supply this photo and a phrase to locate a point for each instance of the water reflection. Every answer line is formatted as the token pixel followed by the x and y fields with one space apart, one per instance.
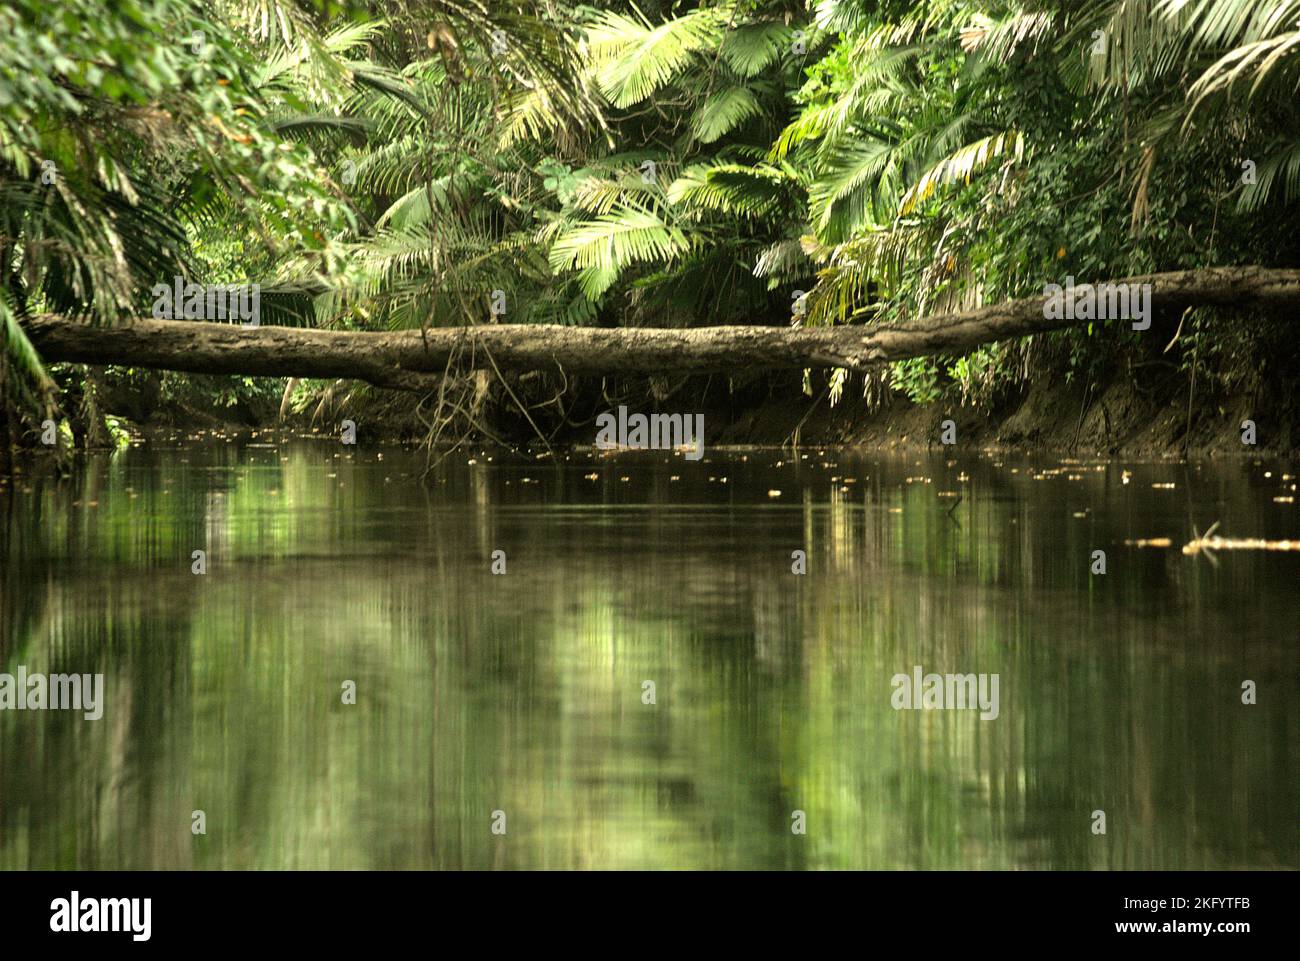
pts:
pixel 523 693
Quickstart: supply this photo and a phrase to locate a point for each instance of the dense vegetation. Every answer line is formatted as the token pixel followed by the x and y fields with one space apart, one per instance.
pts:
pixel 396 164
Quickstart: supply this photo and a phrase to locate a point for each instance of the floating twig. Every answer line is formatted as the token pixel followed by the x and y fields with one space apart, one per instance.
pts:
pixel 1207 544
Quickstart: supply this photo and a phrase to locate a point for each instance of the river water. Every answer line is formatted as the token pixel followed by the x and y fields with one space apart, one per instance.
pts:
pixel 501 720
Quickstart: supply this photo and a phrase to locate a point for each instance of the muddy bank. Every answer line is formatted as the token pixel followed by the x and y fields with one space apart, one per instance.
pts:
pixel 1149 410
pixel 1120 418
pixel 1144 406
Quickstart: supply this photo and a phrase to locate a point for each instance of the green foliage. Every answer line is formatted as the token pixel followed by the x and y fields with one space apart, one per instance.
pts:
pixel 918 378
pixel 126 131
pixel 117 431
pixel 670 164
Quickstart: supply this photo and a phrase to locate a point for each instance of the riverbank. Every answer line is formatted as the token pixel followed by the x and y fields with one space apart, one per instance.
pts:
pixel 1121 418
pixel 1137 404
pixel 1147 418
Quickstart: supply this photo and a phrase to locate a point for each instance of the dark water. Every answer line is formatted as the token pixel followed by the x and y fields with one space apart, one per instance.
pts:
pixel 522 693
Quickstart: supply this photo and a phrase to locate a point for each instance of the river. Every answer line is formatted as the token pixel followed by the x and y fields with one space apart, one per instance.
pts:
pixel 504 720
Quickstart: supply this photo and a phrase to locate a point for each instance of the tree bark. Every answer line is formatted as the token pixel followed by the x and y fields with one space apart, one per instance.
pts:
pixel 410 360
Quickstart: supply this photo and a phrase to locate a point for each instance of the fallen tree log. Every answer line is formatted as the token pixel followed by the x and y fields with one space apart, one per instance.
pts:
pixel 411 359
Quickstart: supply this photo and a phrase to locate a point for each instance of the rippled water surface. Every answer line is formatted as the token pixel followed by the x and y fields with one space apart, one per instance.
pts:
pixel 523 693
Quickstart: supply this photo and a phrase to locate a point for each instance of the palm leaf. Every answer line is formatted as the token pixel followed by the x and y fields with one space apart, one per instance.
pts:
pixel 603 247
pixel 723 112
pixel 751 48
pixel 636 59
pixel 1278 177
pixel 840 197
pixel 733 188
pixel 961 166
pixel 17 351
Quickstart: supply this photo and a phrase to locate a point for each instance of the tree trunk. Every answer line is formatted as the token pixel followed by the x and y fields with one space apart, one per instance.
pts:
pixel 412 359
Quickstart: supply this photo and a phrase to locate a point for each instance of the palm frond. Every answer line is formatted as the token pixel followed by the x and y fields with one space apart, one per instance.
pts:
pixel 635 59
pixel 749 191
pixel 782 262
pixel 1277 178
pixel 996 40
pixel 17 350
pixel 751 48
pixel 1272 60
pixel 603 247
pixel 961 166
pixel 874 259
pixel 724 111
pixel 839 198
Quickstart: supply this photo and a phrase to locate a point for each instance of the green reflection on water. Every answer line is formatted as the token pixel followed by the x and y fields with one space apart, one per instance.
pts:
pixel 522 693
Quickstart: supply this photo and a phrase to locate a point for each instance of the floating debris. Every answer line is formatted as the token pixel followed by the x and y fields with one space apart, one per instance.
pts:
pixel 1208 544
